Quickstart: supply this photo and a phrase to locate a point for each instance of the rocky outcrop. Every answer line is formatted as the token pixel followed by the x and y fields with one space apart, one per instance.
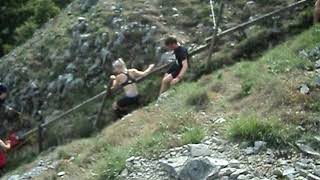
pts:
pixel 215 158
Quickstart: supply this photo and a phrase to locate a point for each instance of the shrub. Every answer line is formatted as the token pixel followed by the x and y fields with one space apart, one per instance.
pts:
pixel 199 99
pixel 83 127
pixel 314 106
pixel 193 135
pixel 152 145
pixel 114 162
pixel 44 10
pixel 62 154
pixel 253 129
pixel 246 87
pixel 25 31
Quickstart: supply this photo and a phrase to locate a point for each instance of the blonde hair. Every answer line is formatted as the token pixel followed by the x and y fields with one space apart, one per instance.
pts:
pixel 120 64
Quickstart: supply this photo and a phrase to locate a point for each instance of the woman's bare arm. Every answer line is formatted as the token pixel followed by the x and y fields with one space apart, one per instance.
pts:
pixel 138 73
pixel 5 145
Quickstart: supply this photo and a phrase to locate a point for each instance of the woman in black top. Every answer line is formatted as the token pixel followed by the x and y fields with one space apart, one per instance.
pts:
pixel 126 78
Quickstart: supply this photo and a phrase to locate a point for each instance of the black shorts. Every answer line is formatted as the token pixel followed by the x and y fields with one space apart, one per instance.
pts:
pixel 174 70
pixel 128 101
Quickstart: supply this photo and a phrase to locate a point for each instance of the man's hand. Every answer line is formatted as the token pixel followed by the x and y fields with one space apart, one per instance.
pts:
pixel 175 81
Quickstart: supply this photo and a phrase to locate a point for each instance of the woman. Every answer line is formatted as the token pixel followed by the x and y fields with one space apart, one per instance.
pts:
pixel 126 78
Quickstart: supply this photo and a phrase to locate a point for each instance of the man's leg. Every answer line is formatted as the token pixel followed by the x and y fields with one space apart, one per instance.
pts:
pixel 165 84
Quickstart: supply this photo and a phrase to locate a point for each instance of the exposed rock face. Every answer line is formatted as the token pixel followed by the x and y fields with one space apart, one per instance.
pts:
pixel 81 58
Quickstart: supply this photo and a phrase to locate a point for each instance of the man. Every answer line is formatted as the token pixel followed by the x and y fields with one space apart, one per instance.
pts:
pixel 317 12
pixel 127 79
pixel 178 69
pixel 3 94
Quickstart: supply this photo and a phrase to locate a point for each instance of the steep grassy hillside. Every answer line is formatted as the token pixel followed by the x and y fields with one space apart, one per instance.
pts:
pixel 257 100
pixel 68 59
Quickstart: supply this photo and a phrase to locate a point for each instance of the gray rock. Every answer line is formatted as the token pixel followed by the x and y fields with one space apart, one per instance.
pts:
pixel 173 166
pixel 104 55
pixel 237 173
pixel 249 151
pixel 226 172
pixel 317 171
pixel 14 177
pixel 288 171
pixel 197 150
pixel 308 150
pixel 84 49
pixel 313 177
pixel 317 65
pixel 167 58
pixel 198 169
pixel 277 172
pixel 71 68
pixel 234 163
pixel 259 145
pixel 62 173
pixel 242 177
pixel 304 89
pixel 317 80
pixel 218 162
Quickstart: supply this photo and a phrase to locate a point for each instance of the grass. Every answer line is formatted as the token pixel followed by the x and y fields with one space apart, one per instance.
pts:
pixel 193 135
pixel 113 163
pixel 251 129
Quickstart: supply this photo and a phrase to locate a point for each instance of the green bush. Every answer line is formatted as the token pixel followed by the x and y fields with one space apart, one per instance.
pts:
pixel 314 106
pixel 44 10
pixel 246 87
pixel 114 162
pixel 62 154
pixel 193 135
pixel 253 129
pixel 25 31
pixel 199 99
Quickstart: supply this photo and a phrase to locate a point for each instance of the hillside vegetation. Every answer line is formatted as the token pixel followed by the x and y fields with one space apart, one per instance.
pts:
pixel 19 19
pixel 258 100
pixel 69 57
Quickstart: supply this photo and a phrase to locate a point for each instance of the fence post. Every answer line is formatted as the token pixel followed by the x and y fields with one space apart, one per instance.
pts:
pixel 103 104
pixel 215 33
pixel 40 132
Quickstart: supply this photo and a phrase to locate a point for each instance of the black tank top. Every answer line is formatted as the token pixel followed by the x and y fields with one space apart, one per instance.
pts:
pixel 130 80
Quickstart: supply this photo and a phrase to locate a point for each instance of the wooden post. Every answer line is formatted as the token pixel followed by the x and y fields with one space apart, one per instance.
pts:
pixel 40 132
pixel 215 33
pixel 40 138
pixel 103 104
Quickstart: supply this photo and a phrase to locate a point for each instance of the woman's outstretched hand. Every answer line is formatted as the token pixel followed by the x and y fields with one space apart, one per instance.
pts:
pixel 151 66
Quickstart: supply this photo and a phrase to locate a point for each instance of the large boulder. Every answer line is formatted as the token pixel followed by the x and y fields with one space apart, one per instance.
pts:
pixel 174 166
pixel 199 169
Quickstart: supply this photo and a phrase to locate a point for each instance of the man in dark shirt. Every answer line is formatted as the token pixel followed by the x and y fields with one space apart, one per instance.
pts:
pixel 3 93
pixel 178 69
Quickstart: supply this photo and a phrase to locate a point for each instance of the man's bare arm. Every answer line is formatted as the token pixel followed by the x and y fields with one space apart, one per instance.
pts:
pixel 183 69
